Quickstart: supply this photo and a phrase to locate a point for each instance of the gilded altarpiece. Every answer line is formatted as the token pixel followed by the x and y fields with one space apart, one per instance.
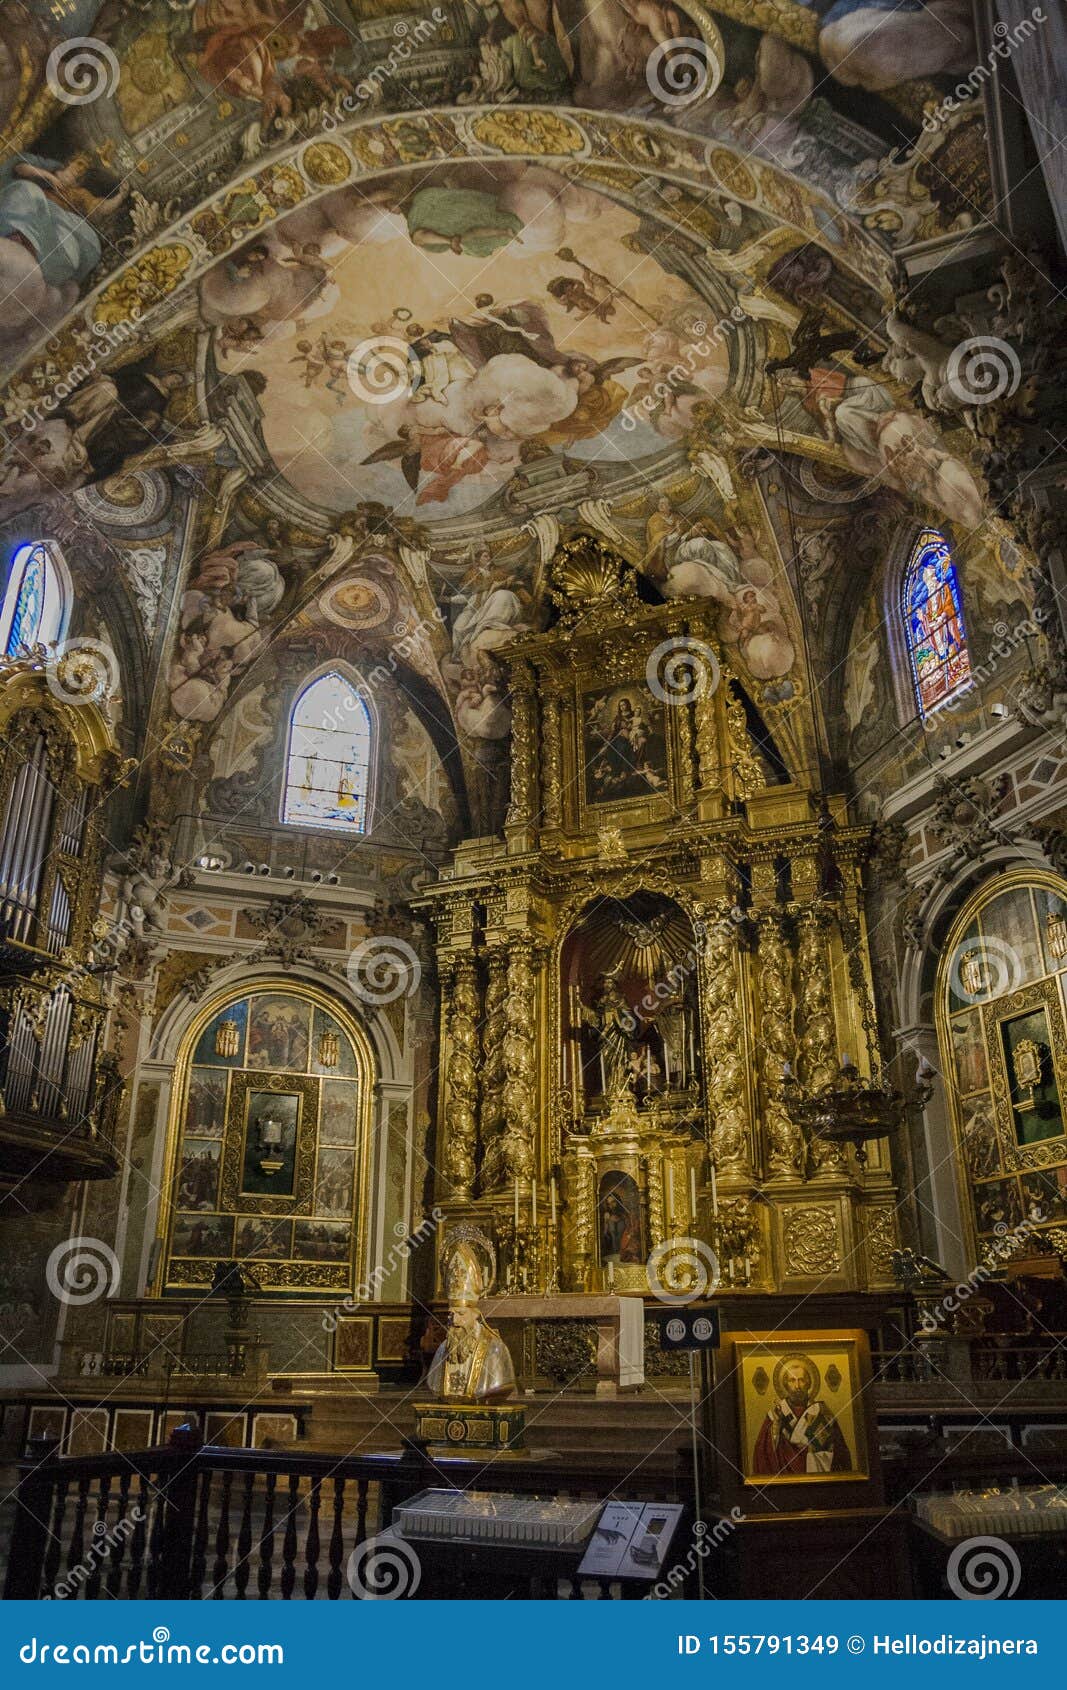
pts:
pixel 666 941
pixel 1002 1025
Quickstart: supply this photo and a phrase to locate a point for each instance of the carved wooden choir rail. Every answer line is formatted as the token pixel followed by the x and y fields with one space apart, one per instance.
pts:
pixel 192 1521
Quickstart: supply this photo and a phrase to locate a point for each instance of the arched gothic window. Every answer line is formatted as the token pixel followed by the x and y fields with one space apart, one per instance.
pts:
pixel 36 601
pixel 330 757
pixel 932 609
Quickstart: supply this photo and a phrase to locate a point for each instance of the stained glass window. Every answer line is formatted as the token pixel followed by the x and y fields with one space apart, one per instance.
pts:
pixel 933 623
pixel 329 762
pixel 36 600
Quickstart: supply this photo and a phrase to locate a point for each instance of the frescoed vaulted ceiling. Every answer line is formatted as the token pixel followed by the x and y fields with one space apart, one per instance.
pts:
pixel 326 322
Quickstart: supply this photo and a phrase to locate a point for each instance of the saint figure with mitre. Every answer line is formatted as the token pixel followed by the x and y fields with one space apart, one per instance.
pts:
pixel 473 1363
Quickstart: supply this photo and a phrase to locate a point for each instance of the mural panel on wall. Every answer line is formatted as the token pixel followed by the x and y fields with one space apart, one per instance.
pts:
pixel 275 1084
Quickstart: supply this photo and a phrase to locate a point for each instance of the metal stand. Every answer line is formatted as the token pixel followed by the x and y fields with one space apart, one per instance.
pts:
pixel 697 1498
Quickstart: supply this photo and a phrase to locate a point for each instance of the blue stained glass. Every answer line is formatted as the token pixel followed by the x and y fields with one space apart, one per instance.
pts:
pixel 933 623
pixel 35 601
pixel 329 759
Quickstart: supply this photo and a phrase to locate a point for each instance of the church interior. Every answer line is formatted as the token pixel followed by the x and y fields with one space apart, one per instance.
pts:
pixel 533 877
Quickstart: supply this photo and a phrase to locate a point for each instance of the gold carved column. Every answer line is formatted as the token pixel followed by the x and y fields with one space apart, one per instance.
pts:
pixel 460 984
pixel 519 1062
pixel 552 761
pixel 724 1047
pixel 817 1051
pixel 494 1171
pixel 783 1140
pixel 523 806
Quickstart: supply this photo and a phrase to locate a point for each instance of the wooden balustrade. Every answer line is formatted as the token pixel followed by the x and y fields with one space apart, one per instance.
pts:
pixel 192 1521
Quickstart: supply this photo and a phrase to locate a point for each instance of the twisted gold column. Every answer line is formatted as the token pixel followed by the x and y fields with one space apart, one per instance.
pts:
pixel 785 1146
pixel 724 1047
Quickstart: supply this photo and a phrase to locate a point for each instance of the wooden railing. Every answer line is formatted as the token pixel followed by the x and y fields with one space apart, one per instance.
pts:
pixel 191 1521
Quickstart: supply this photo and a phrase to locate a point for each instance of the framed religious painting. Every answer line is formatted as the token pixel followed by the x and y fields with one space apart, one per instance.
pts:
pixel 268 1158
pixel 624 744
pixel 800 1420
pixel 1027 1046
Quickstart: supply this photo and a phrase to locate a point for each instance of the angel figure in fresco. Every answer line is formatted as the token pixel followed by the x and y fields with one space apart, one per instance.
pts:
pixel 598 293
pixel 49 241
pixel 463 221
pixel 494 607
pixel 432 449
pixel 876 44
pixel 600 399
pixel 255 50
pixel 223 611
pixel 518 48
pixel 879 438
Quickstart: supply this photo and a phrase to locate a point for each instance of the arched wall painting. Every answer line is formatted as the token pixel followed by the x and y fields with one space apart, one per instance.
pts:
pixel 1003 1014
pixel 270 1137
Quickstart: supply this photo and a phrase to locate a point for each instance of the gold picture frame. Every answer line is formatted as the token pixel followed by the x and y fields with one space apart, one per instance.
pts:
pixel 803 1412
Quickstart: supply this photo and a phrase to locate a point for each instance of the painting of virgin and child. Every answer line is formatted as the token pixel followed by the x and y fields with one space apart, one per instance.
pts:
pixel 625 745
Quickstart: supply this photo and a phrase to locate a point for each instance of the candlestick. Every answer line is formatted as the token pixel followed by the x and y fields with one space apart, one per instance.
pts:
pixel 693 1192
pixel 714 1192
pixel 552 1200
pixel 666 1064
pixel 516 1205
pixel 603 1077
pixel 533 1199
pixel 648 1067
